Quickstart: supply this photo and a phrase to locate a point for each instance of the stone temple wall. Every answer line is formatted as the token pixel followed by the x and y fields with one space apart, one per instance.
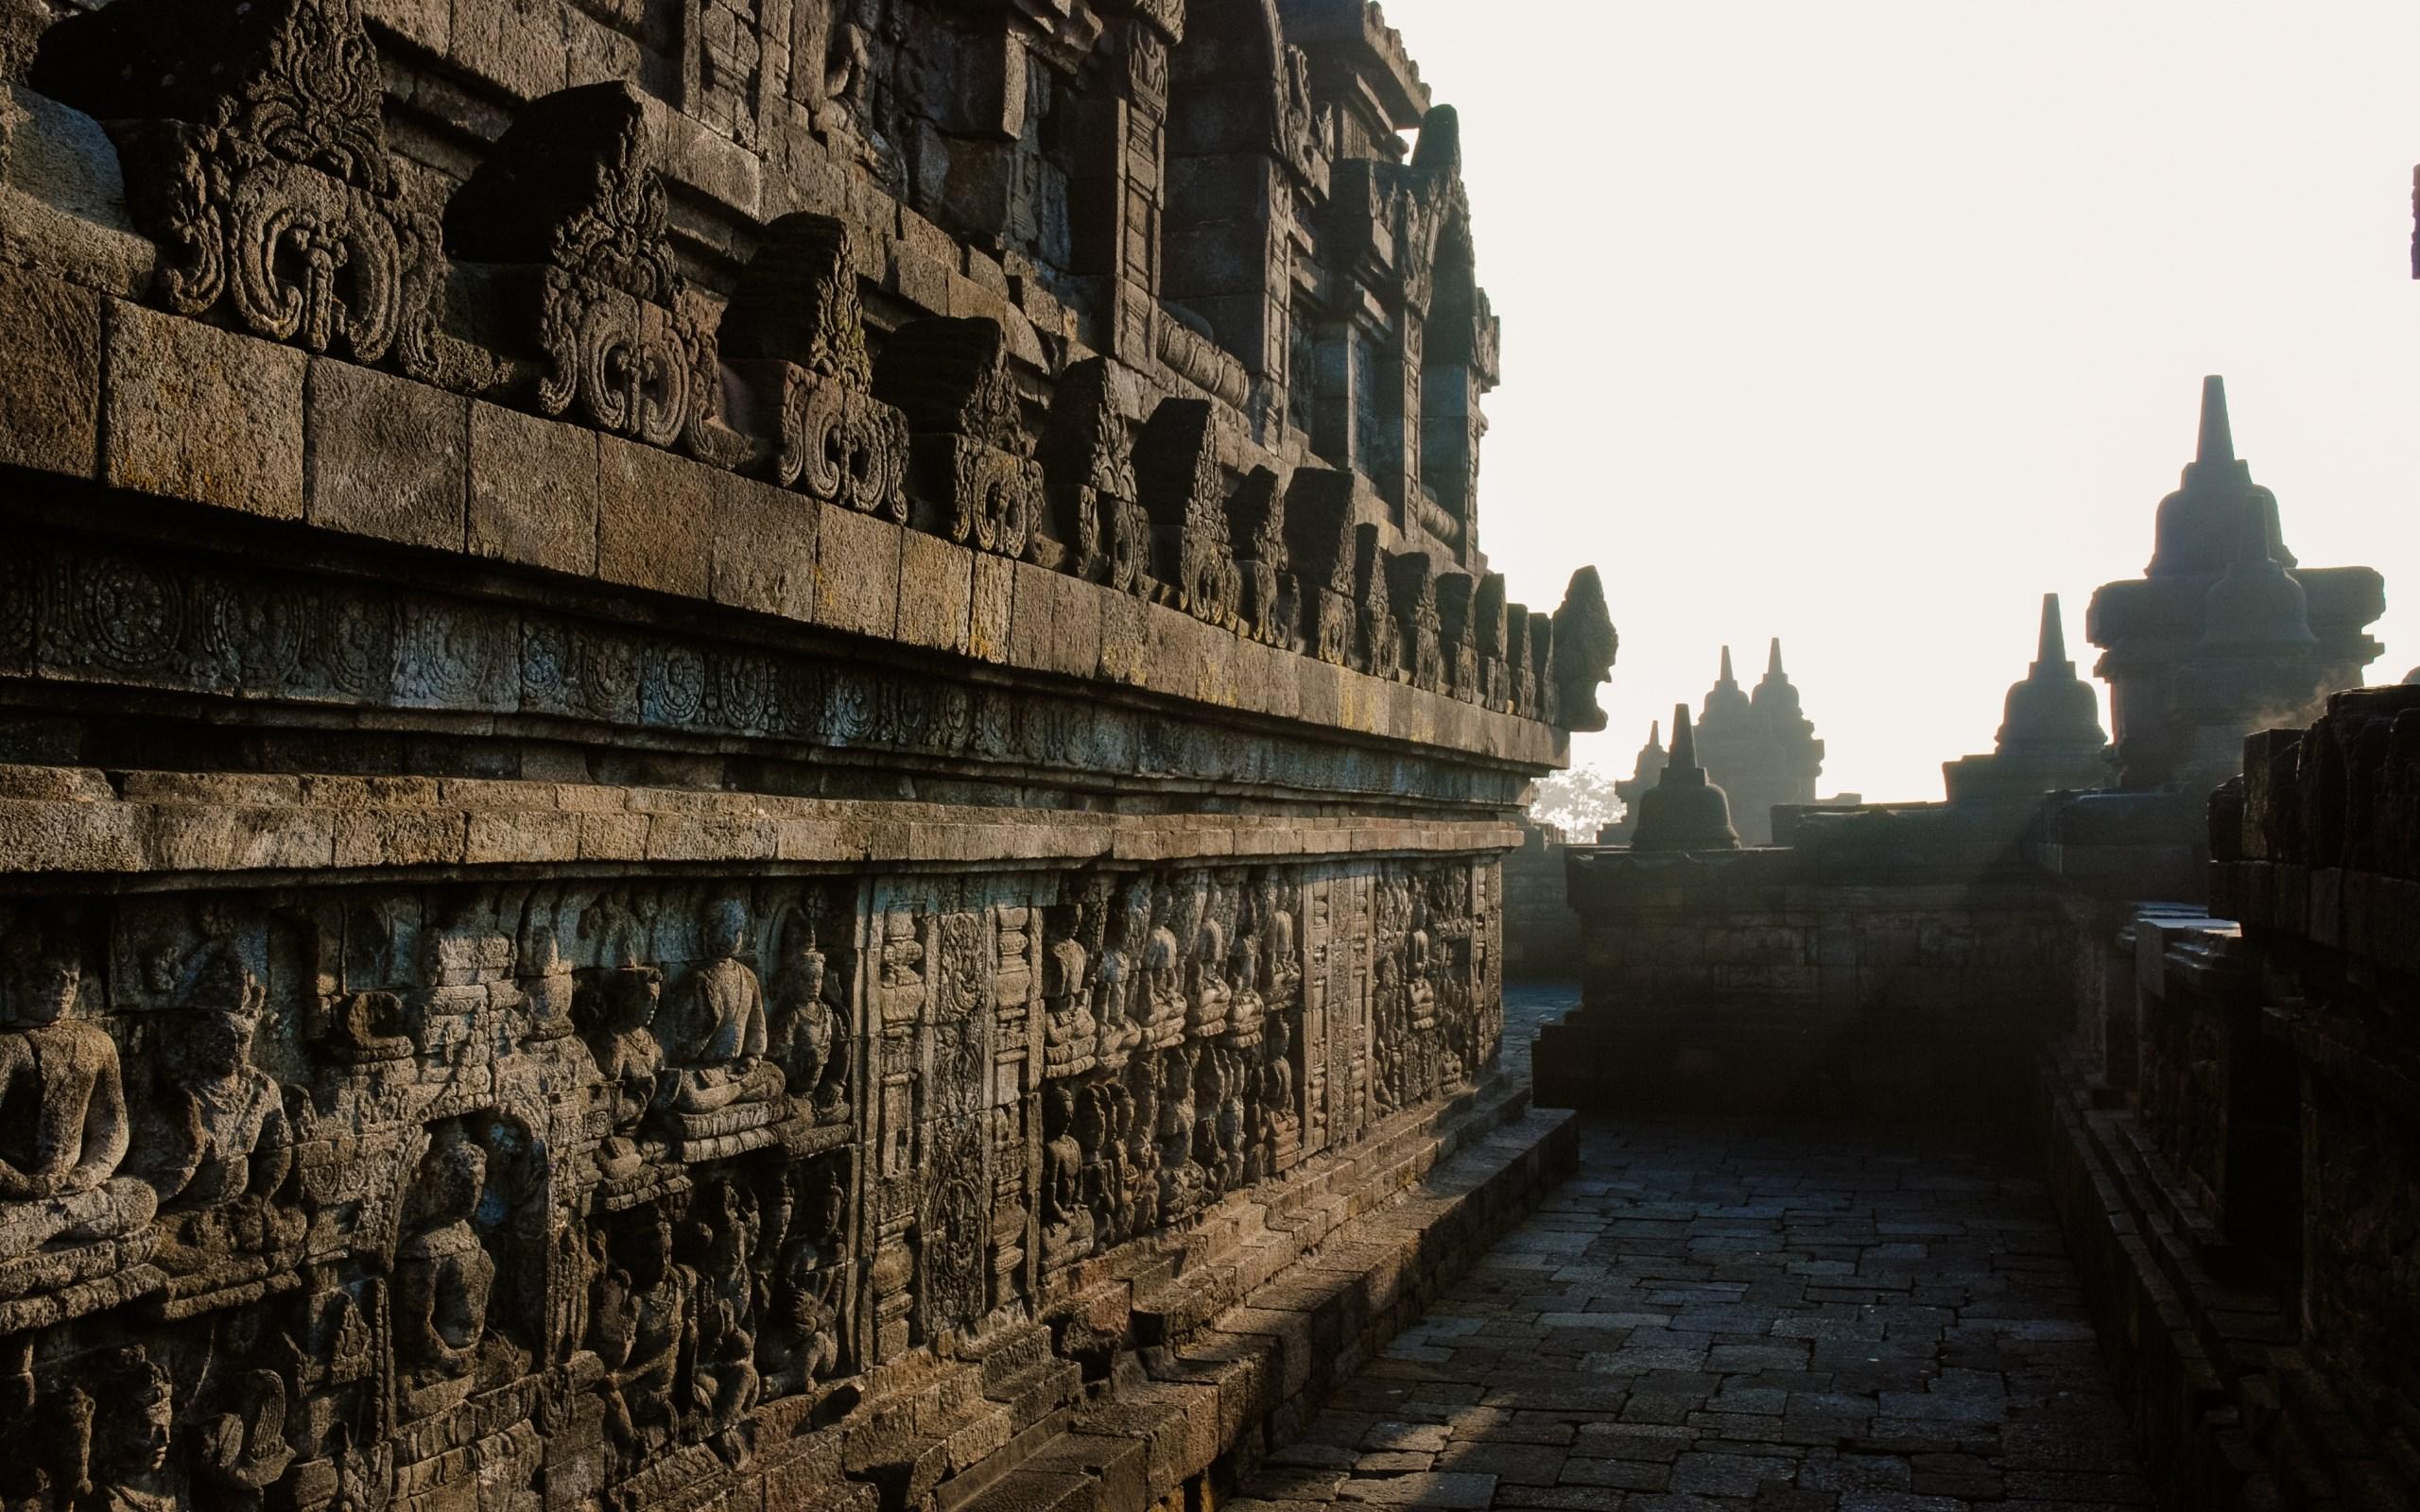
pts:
pixel 743 740
pixel 1889 962
pixel 1541 932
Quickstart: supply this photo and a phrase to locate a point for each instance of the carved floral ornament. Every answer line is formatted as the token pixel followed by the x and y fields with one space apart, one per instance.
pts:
pixel 256 155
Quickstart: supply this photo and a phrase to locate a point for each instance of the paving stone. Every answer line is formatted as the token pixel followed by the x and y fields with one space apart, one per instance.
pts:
pixel 1633 1357
pixel 1438 1491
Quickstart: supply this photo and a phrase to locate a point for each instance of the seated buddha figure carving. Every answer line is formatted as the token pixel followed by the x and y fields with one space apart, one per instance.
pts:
pixel 1420 982
pixel 1071 1035
pixel 443 1275
pixel 720 1052
pixel 63 1125
pixel 216 1144
pixel 1209 999
pixel 621 1007
pixel 1116 1010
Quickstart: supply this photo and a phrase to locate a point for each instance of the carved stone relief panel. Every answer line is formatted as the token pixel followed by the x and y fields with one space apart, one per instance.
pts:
pixel 521 1191
pixel 1176 463
pixel 563 236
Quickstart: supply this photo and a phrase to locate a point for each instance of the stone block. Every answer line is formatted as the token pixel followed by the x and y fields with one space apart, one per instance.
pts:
pixel 1318 689
pixel 533 491
pixel 75 837
pixel 398 838
pixel 1125 638
pixel 385 456
pixel 992 609
pixel 50 400
pixel 1054 626
pixel 763 554
pixel 516 45
pixel 523 835
pixel 427 23
pixel 655 519
pixel 194 412
pixel 936 588
pixel 188 837
pixel 856 573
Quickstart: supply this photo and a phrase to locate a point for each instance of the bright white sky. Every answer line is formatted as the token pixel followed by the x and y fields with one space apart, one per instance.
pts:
pixel 1865 323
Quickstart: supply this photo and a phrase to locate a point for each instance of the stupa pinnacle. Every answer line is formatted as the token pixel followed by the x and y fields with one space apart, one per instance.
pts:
pixel 1726 697
pixel 1774 697
pixel 2051 737
pixel 2199 524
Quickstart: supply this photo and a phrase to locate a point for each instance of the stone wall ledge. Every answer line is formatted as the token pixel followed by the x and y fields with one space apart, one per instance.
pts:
pixel 105 391
pixel 1239 1356
pixel 82 820
pixel 2366 916
pixel 2228 1415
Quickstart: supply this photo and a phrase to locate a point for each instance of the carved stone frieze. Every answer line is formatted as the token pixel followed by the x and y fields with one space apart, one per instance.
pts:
pixel 1520 670
pixel 1095 518
pixel 1381 631
pixel 1271 608
pixel 1540 678
pixel 136 620
pixel 1411 589
pixel 1489 629
pixel 496 1231
pixel 1457 605
pixel 1321 543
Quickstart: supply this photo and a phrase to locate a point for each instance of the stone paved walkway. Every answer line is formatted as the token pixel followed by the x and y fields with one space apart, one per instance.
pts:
pixel 1711 1316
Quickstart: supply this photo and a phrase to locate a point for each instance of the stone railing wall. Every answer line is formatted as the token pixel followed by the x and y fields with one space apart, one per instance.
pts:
pixel 1891 961
pixel 671 838
pixel 2234 1148
pixel 1541 932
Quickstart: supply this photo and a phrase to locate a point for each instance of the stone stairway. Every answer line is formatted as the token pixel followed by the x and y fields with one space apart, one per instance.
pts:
pixel 1186 1361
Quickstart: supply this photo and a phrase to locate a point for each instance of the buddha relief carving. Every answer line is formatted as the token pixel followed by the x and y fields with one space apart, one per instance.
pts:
pixel 63 1125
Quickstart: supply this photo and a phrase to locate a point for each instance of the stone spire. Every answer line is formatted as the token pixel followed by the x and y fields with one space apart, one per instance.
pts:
pixel 1633 789
pixel 1725 699
pixel 2256 605
pixel 2051 711
pixel 1774 697
pixel 1651 762
pixel 1684 811
pixel 1762 751
pixel 2217 442
pixel 2050 738
pixel 2199 523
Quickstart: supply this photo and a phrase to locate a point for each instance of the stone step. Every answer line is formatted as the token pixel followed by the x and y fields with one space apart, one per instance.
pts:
pixel 1229 1358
